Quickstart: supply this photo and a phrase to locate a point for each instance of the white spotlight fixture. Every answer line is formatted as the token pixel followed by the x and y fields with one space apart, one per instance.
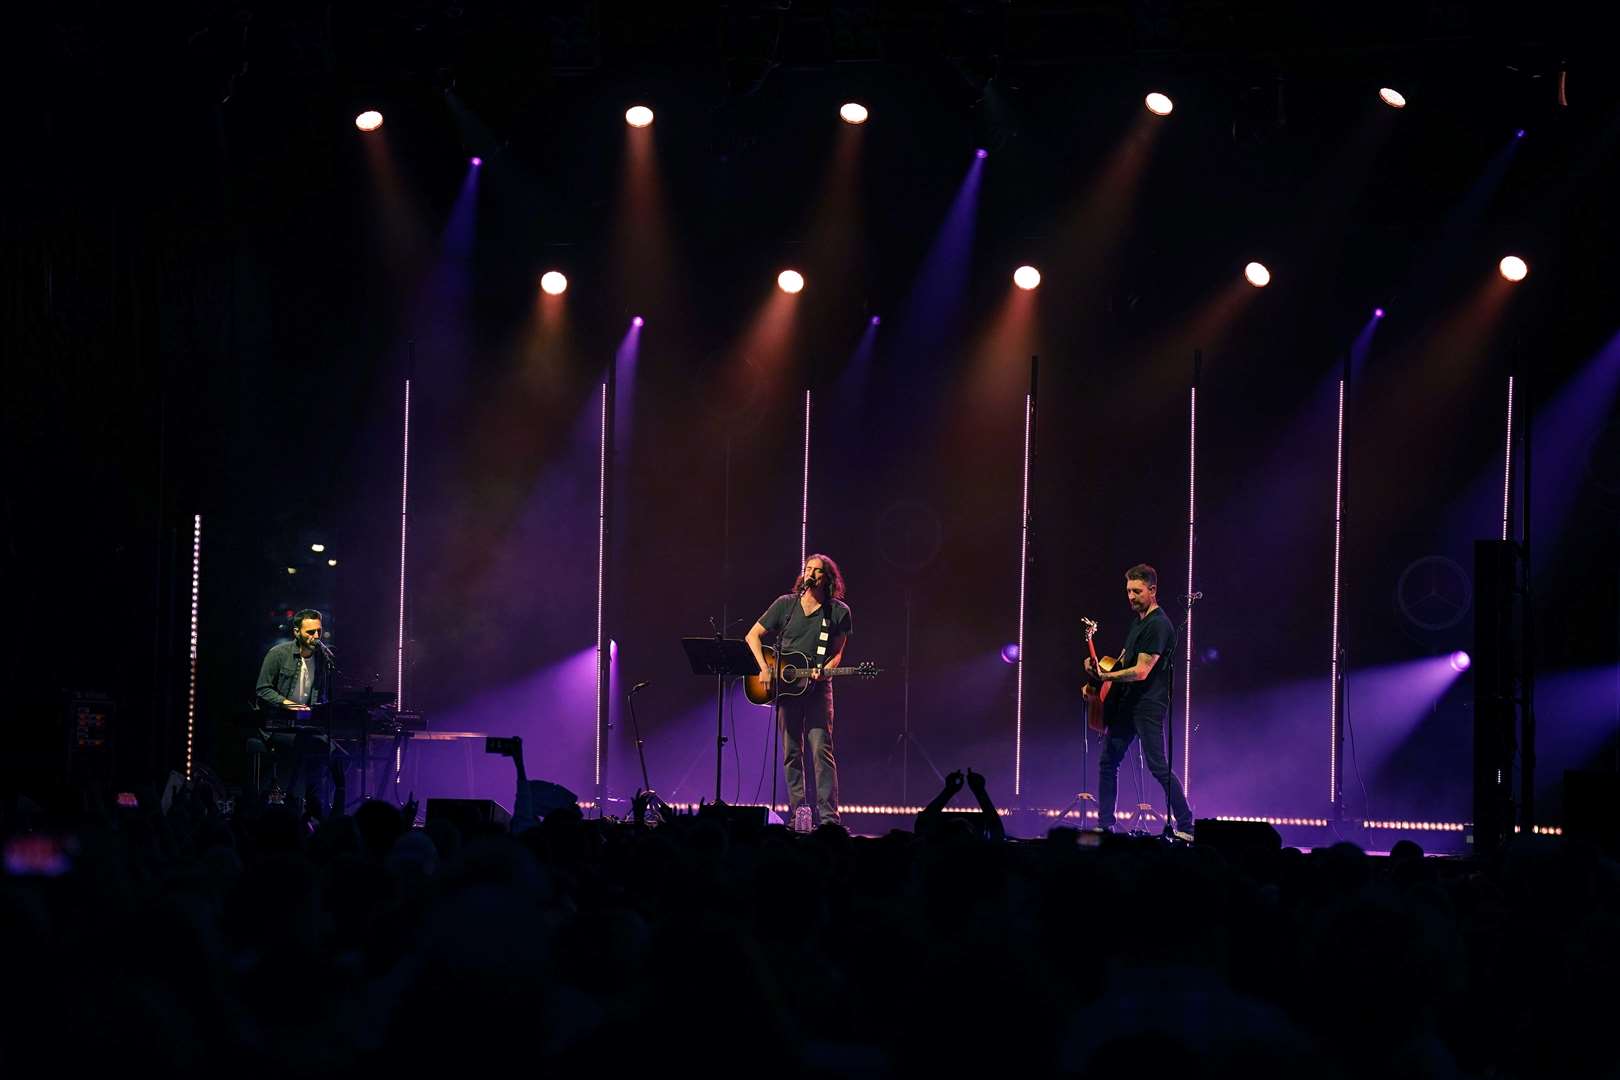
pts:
pixel 1513 268
pixel 331 562
pixel 292 569
pixel 1158 104
pixel 370 120
pixel 553 284
pixel 790 281
pixel 853 112
pixel 638 116
pixel 317 548
pixel 1257 275
pixel 1393 98
pixel 1026 277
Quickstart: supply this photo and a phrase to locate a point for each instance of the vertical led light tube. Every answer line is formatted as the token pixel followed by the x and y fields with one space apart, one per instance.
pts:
pixel 404 511
pixel 1507 466
pixel 601 584
pixel 1023 582
pixel 191 686
pixel 804 495
pixel 1338 546
pixel 1192 527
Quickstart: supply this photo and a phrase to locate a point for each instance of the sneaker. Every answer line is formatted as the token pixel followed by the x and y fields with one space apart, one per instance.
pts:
pixel 1181 836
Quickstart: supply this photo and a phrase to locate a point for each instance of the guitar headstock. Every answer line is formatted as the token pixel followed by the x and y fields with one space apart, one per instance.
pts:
pixel 1091 627
pixel 867 668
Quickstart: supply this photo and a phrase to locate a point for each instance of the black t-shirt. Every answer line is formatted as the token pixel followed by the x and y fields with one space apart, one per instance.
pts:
pixel 1155 636
pixel 813 635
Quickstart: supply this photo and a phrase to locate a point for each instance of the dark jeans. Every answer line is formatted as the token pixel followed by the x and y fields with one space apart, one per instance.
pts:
pixel 1122 731
pixel 808 719
pixel 299 762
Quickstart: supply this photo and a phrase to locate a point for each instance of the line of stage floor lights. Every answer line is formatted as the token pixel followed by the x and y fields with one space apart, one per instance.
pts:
pixel 554 283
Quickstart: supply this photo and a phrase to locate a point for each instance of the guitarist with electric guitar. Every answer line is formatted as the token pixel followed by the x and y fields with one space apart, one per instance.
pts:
pixel 811 625
pixel 1139 704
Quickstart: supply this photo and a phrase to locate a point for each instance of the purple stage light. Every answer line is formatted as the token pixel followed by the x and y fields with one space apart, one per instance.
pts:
pixel 1461 661
pixel 1009 653
pixel 876 320
pixel 981 153
pixel 637 321
pixel 476 160
pixel 1519 134
pixel 1378 313
pixel 613 650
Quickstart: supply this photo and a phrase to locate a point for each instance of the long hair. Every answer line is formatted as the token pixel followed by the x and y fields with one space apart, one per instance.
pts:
pixel 836 578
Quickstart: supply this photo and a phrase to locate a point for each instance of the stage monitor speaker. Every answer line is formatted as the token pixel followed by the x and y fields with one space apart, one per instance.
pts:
pixel 469 815
pixel 545 796
pixel 1592 808
pixel 1238 837
pixel 754 817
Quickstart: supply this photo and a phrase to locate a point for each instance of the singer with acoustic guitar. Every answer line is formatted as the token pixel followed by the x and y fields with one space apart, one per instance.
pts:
pixel 1139 704
pixel 813 620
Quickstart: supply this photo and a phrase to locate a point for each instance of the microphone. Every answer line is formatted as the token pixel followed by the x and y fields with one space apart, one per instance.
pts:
pixel 1194 596
pixel 640 686
pixel 324 647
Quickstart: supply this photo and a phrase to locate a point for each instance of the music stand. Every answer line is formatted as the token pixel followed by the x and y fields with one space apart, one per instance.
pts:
pixel 723 658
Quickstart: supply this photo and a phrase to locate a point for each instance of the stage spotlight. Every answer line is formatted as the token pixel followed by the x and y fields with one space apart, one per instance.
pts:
pixel 1378 313
pixel 1026 277
pixel 1393 98
pixel 1513 268
pixel 1158 104
pixel 853 112
pixel 638 116
pixel 476 160
pixel 1519 134
pixel 790 281
pixel 331 562
pixel 637 321
pixel 370 120
pixel 1461 661
pixel 613 649
pixel 1009 652
pixel 553 283
pixel 981 153
pixel 292 569
pixel 876 319
pixel 1257 275
pixel 317 548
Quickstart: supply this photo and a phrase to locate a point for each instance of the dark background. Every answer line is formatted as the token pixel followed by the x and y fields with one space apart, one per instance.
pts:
pixel 213 283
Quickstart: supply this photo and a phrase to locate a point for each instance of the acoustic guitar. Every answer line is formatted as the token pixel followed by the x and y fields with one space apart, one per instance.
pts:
pixel 791 672
pixel 1096 714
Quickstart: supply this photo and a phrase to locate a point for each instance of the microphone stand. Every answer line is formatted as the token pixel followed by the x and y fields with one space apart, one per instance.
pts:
pixel 328 666
pixel 1170 712
pixel 653 801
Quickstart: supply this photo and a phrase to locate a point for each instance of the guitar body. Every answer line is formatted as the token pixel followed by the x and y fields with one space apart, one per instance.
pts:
pixel 1097 703
pixel 790 671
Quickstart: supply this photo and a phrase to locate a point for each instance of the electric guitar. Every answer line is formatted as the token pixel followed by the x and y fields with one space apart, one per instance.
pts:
pixel 1096 712
pixel 791 673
